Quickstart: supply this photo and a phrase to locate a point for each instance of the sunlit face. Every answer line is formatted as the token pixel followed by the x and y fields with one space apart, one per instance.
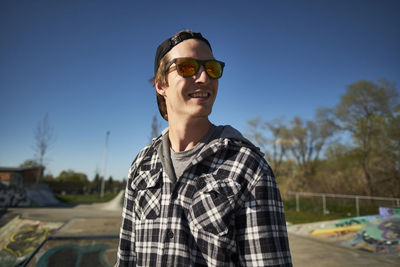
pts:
pixel 192 97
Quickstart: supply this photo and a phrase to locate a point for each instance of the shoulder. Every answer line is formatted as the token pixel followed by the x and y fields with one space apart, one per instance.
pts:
pixel 240 160
pixel 247 153
pixel 230 151
pixel 249 158
pixel 236 139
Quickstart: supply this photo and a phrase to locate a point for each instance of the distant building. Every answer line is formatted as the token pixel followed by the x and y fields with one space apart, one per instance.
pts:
pixel 20 177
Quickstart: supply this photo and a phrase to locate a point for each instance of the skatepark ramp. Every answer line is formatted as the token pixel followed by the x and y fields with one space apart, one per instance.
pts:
pixel 115 204
pixel 81 235
pixel 41 195
pixel 378 234
pixel 33 195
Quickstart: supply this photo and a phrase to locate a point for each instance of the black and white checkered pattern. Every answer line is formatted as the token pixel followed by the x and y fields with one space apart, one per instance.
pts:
pixel 225 210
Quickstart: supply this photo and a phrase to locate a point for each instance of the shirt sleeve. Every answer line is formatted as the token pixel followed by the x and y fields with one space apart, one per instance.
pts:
pixel 262 238
pixel 126 255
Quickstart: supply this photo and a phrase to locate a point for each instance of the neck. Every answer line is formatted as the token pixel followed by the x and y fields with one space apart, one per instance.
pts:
pixel 184 135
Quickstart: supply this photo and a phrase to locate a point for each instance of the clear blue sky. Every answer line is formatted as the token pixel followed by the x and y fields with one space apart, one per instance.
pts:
pixel 87 64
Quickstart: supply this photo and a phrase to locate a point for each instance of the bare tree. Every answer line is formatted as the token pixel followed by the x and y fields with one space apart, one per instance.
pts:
pixel 155 128
pixel 280 144
pixel 255 131
pixel 44 139
pixel 276 146
pixel 308 138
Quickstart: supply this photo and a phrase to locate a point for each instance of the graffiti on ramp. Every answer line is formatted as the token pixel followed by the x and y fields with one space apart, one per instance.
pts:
pixel 20 238
pixel 26 240
pixel 377 234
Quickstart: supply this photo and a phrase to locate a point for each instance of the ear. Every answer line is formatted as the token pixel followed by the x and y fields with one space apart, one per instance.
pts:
pixel 160 89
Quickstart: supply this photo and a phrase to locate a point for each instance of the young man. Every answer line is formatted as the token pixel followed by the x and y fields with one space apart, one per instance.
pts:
pixel 199 194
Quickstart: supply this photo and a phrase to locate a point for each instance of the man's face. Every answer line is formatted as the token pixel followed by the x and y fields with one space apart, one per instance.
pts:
pixel 192 97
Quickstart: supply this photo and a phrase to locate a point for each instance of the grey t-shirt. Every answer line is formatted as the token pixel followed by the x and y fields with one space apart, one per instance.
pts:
pixel 180 160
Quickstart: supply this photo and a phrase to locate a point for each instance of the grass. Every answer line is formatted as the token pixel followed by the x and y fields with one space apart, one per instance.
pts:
pixel 295 217
pixel 86 198
pixel 311 210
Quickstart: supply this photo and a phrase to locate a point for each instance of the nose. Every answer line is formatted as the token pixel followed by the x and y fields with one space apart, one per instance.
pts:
pixel 202 76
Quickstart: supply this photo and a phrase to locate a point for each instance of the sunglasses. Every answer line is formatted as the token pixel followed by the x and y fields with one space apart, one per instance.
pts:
pixel 187 67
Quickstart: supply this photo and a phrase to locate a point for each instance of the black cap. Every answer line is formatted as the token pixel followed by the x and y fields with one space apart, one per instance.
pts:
pixel 168 44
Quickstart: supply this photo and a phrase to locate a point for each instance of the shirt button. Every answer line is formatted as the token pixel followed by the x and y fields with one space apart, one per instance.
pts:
pixel 213 194
pixel 200 184
pixel 170 234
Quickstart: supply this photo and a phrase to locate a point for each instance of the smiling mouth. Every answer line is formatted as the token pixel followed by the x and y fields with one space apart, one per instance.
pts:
pixel 199 95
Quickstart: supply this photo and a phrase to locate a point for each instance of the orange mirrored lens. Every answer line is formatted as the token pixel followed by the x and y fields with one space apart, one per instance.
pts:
pixel 214 69
pixel 187 67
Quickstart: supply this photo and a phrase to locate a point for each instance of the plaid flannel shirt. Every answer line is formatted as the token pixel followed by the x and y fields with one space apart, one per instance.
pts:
pixel 225 210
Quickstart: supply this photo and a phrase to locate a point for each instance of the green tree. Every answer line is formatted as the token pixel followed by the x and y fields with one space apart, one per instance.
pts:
pixel 366 110
pixel 386 155
pixel 48 178
pixel 96 183
pixel 72 176
pixel 110 184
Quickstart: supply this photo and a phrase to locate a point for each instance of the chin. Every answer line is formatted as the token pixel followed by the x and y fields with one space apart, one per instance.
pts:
pixel 202 114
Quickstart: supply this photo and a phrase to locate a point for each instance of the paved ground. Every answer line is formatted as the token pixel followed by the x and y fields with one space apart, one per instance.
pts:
pixel 310 252
pixel 104 220
pixel 64 214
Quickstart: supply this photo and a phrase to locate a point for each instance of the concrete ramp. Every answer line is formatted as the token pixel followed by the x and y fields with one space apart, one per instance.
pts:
pixel 41 195
pixel 20 237
pixel 115 204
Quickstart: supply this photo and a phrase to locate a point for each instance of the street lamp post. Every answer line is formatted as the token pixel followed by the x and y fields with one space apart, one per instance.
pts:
pixel 105 166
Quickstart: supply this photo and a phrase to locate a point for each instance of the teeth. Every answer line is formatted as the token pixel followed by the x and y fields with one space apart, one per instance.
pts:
pixel 199 95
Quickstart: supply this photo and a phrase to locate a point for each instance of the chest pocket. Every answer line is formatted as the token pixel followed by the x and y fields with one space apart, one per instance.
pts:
pixel 212 206
pixel 148 195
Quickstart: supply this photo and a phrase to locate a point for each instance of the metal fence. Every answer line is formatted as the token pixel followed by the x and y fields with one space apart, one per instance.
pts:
pixel 324 196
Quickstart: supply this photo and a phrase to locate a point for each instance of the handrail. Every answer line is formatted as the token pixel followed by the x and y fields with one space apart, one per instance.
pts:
pixel 325 195
pixel 342 196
